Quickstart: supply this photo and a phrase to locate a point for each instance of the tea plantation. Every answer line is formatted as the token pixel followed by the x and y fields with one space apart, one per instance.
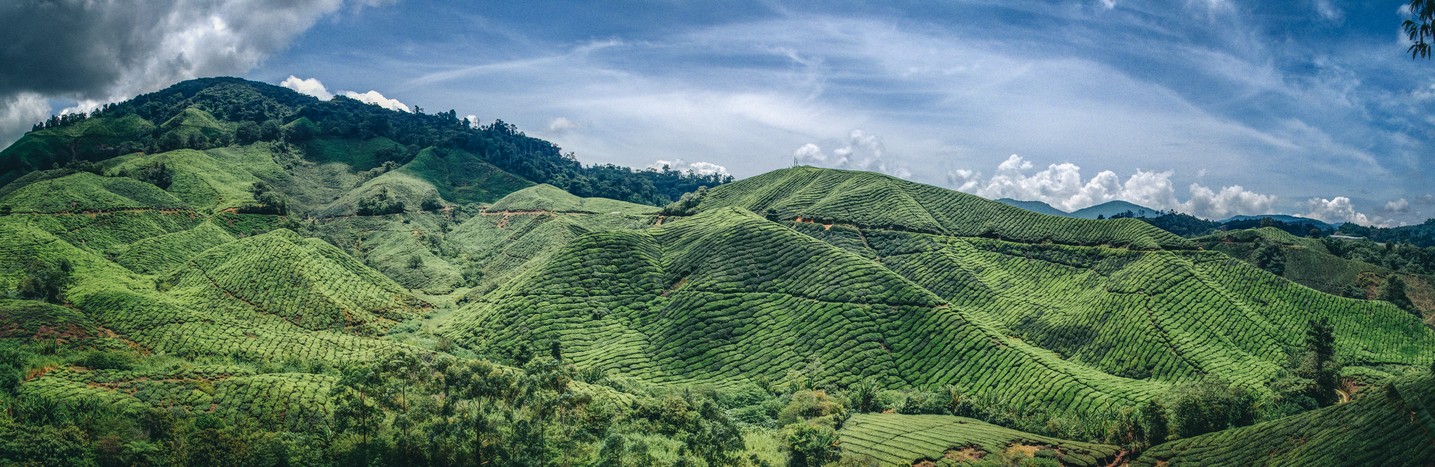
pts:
pixel 231 273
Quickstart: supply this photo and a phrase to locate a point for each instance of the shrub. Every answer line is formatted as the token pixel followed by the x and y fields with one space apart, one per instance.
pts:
pixel 379 203
pixel 1210 405
pixel 43 281
pixel 156 174
pixel 809 444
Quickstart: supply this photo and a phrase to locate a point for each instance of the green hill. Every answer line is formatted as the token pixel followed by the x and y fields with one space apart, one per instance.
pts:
pixel 89 192
pixel 874 200
pixel 549 198
pixel 1351 268
pixel 306 281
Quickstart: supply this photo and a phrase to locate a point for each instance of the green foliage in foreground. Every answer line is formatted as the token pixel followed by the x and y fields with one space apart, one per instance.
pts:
pixel 893 439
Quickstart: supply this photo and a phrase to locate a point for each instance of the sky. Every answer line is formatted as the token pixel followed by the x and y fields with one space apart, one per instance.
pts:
pixel 1210 107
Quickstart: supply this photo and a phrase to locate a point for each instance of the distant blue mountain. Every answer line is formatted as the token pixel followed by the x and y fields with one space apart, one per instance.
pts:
pixel 1111 208
pixel 1034 206
pixel 1284 218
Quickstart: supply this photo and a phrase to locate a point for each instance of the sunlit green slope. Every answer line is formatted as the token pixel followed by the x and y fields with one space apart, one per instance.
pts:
pixel 875 200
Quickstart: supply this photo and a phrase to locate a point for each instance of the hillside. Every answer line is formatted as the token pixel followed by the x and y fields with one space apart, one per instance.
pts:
pixel 1111 209
pixel 1394 425
pixel 1351 268
pixel 1033 206
pixel 1122 324
pixel 874 200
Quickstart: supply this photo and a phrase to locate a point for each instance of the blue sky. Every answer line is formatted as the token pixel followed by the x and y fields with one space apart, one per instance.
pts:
pixel 1214 107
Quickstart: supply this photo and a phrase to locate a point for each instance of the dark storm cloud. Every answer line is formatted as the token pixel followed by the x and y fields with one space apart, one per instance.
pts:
pixel 97 51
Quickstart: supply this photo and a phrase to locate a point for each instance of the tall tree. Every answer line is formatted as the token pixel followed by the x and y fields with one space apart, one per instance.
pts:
pixel 1420 28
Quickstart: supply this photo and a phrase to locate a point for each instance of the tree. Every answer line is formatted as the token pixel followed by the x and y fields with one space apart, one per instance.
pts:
pixel 45 281
pixel 1419 28
pixel 1270 257
pixel 809 444
pixel 1394 292
pixel 1208 405
pixel 1318 363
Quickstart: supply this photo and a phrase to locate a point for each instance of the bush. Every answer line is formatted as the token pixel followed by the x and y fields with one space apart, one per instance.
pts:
pixel 379 203
pixel 156 174
pixel 43 281
pixel 814 406
pixel 1210 405
pixel 809 444
pixel 108 360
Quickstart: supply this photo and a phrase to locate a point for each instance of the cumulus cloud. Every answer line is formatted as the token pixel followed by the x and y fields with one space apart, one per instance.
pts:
pixel 310 86
pixel 700 168
pixel 373 97
pixel 1399 206
pixel 860 151
pixel 93 52
pixel 1107 4
pixel 560 125
pixel 1228 201
pixel 1338 209
pixel 1063 186
pixel 472 120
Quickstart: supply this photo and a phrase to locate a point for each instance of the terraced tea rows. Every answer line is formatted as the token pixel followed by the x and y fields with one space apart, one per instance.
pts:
pixel 292 400
pixel 1389 426
pixel 726 296
pixel 85 191
pixel 166 252
pixel 305 281
pixel 893 439
pixel 1167 315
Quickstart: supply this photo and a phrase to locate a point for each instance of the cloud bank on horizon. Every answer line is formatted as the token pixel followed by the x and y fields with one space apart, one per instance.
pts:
pixel 1210 107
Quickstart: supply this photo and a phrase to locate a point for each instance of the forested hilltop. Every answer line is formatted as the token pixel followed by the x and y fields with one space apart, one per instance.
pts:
pixel 210 113
pixel 230 273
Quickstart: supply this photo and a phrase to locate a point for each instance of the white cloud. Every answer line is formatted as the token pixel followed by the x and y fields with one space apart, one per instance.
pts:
pixel 1229 201
pixel 560 125
pixel 1338 209
pixel 860 151
pixel 472 120
pixel 700 168
pixel 310 86
pixel 1063 186
pixel 1108 4
pixel 1329 11
pixel 18 113
pixel 1400 205
pixel 373 97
